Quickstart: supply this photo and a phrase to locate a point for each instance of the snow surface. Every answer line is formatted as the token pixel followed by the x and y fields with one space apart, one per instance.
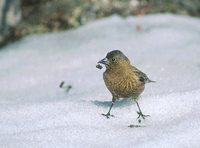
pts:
pixel 35 112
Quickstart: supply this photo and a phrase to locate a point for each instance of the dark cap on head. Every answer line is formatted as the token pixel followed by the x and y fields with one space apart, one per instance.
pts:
pixel 116 54
pixel 112 57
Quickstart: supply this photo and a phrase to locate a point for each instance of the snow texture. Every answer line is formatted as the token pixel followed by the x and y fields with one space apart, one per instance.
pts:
pixel 35 112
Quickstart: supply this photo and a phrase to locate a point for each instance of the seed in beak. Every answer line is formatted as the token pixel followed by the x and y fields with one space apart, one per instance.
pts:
pixel 99 66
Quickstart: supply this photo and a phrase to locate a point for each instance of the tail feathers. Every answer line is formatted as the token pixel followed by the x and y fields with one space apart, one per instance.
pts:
pixel 150 81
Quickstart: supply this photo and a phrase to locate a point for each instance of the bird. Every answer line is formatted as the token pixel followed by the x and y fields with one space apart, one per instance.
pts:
pixel 123 80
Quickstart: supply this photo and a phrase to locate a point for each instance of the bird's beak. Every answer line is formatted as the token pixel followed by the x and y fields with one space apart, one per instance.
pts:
pixel 104 61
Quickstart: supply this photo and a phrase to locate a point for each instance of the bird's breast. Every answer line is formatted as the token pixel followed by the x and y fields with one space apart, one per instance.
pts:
pixel 123 84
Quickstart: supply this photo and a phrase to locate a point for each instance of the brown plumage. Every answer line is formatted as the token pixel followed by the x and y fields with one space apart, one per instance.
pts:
pixel 123 80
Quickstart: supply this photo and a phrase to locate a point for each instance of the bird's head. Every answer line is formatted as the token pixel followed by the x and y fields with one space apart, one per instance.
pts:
pixel 115 59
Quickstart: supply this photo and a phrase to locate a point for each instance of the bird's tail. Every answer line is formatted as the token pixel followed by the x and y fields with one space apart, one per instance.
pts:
pixel 150 81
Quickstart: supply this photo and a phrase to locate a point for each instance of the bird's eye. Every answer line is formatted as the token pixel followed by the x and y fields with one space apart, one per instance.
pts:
pixel 113 59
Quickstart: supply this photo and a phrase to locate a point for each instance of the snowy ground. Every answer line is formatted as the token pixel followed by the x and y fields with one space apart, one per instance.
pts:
pixel 35 112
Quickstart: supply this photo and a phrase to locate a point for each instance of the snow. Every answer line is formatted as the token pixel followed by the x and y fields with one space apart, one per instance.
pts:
pixel 35 112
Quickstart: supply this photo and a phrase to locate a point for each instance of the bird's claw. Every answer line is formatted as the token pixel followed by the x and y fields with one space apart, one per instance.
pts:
pixel 108 115
pixel 140 114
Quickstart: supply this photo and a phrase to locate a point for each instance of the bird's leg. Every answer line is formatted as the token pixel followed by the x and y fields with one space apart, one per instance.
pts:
pixel 140 114
pixel 108 115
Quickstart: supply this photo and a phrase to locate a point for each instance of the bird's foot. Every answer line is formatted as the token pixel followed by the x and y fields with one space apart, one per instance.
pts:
pixel 108 115
pixel 140 114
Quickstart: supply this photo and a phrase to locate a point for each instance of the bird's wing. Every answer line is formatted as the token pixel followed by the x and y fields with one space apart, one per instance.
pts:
pixel 142 76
